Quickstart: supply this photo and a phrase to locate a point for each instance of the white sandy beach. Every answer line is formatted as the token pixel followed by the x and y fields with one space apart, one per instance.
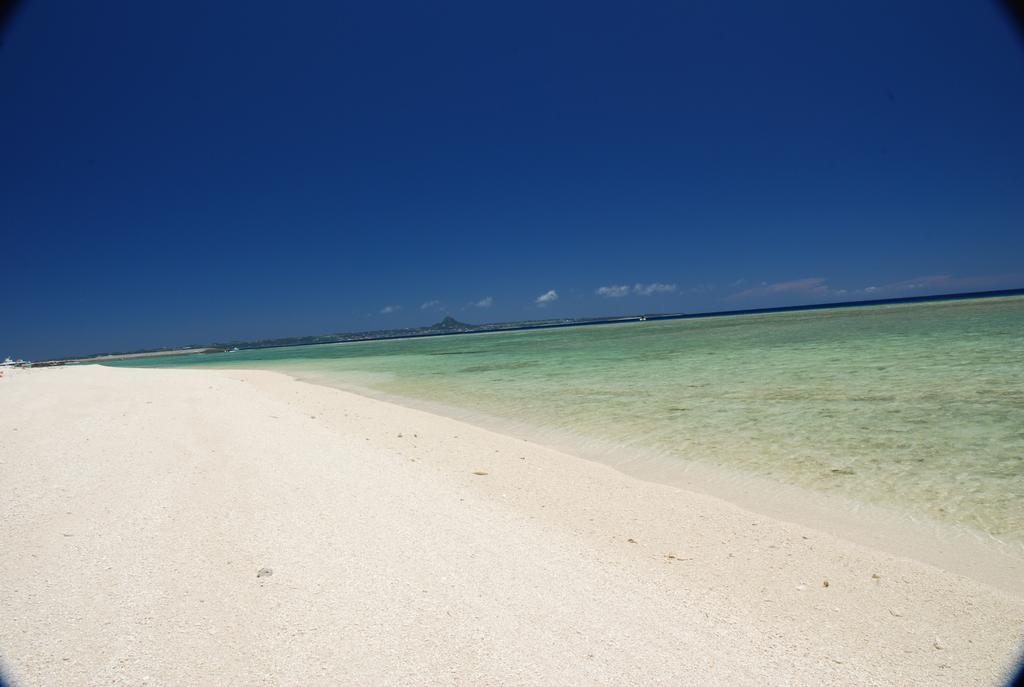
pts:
pixel 139 505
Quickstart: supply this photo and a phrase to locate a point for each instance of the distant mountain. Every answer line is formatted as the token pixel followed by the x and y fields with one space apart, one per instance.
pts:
pixel 449 323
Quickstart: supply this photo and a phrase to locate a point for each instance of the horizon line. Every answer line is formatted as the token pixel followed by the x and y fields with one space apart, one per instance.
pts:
pixel 589 321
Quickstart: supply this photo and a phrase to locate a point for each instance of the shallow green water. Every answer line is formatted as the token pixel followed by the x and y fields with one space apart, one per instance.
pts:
pixel 918 407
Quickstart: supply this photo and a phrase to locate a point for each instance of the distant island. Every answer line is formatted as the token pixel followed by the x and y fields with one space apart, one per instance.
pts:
pixel 449 325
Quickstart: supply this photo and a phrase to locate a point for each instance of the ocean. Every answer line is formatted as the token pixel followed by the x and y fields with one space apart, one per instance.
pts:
pixel 915 408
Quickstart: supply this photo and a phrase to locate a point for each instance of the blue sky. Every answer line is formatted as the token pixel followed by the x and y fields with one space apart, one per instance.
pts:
pixel 175 174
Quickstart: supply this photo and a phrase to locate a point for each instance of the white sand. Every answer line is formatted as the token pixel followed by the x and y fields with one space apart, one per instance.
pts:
pixel 138 505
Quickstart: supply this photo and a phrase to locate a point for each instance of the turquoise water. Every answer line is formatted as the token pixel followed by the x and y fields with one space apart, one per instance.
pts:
pixel 917 407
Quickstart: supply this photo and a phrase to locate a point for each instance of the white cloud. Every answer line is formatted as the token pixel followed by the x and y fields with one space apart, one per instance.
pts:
pixel 484 302
pixel 813 286
pixel 613 291
pixel 388 309
pixel 431 305
pixel 935 281
pixel 648 289
pixel 945 283
pixel 818 287
pixel 618 291
pixel 545 298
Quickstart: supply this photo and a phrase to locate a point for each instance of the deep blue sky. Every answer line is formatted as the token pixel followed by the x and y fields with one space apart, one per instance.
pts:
pixel 175 173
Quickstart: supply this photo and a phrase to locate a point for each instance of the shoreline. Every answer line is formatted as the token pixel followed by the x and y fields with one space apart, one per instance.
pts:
pixel 947 546
pixel 141 507
pixel 109 357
